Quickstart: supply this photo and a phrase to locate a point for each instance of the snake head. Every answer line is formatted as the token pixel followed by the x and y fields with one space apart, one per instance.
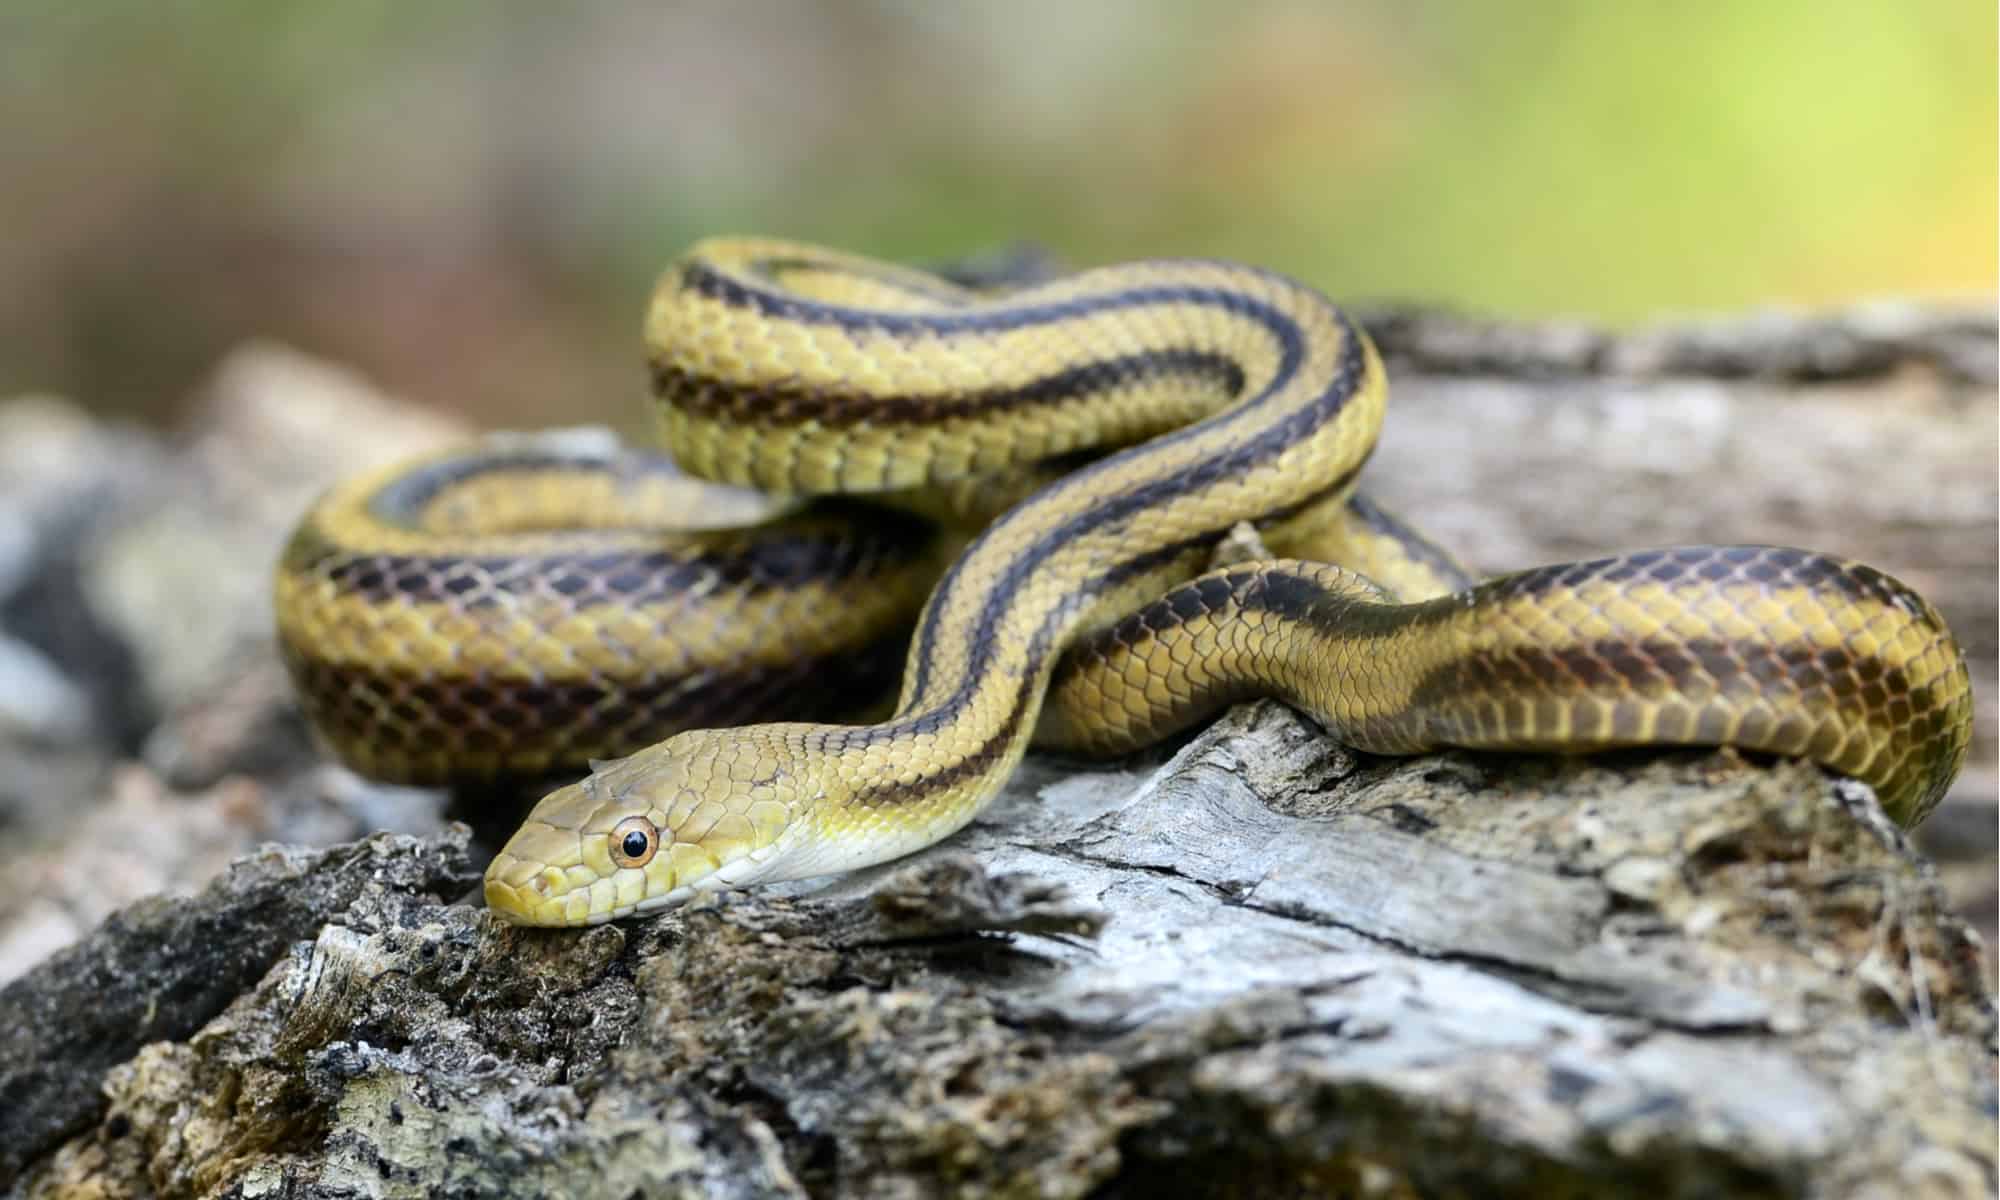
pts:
pixel 702 811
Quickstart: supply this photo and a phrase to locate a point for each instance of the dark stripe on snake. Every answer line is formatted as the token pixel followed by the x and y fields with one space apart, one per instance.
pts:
pixel 1773 566
pixel 705 281
pixel 402 713
pixel 770 561
pixel 840 410
pixel 1628 670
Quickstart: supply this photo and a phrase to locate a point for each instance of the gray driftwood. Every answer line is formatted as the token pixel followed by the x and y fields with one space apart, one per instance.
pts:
pixel 1251 964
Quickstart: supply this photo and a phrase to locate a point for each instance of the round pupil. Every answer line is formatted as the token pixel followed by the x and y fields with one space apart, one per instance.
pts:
pixel 635 843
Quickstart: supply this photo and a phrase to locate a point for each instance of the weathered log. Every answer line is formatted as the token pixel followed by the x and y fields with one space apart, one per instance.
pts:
pixel 1265 965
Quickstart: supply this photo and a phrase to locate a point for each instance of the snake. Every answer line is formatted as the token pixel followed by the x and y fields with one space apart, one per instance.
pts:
pixel 1012 503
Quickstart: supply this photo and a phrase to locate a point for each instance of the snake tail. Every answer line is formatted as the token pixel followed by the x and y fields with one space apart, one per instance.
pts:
pixel 1759 647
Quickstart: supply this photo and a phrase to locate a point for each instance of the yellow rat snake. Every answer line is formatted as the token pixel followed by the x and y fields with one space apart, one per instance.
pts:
pixel 1038 477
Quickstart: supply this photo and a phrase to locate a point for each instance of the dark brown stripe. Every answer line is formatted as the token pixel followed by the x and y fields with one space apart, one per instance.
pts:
pixel 840 410
pixel 1614 669
pixel 1205 542
pixel 988 752
pixel 756 560
pixel 972 763
pixel 1608 664
pixel 1771 566
pixel 707 282
pixel 401 716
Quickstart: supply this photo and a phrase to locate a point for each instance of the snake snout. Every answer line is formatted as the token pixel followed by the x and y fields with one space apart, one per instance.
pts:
pixel 533 877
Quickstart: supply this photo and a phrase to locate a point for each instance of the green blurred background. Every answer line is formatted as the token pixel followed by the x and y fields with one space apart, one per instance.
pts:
pixel 470 201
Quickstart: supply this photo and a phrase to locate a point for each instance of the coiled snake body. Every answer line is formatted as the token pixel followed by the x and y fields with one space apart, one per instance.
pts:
pixel 512 610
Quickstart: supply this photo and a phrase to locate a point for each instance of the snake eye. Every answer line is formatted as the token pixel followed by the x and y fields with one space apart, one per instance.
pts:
pixel 633 842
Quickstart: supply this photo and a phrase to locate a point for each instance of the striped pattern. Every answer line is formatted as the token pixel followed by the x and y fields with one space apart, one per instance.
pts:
pixel 781 406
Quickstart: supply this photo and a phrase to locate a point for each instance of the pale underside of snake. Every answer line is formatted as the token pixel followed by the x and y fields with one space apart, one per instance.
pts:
pixel 1045 474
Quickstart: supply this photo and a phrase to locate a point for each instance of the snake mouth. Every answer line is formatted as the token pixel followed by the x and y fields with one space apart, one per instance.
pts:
pixel 524 892
pixel 531 905
pixel 517 904
pixel 532 893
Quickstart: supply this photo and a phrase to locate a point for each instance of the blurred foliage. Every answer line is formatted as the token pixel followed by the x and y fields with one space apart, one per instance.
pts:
pixel 470 200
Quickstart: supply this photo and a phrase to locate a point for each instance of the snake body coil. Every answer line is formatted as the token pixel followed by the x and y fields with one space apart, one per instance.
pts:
pixel 1196 396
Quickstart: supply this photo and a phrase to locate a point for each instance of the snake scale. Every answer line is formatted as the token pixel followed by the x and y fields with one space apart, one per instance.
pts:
pixel 1015 495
